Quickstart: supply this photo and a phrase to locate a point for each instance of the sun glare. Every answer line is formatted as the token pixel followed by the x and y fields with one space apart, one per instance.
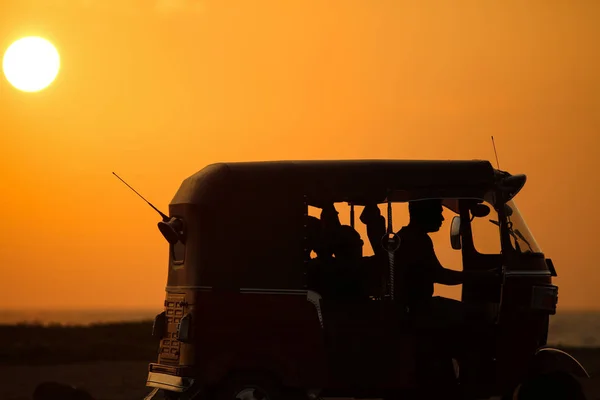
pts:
pixel 31 64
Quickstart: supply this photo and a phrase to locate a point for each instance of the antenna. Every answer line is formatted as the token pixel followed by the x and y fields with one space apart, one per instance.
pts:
pixel 495 153
pixel 164 217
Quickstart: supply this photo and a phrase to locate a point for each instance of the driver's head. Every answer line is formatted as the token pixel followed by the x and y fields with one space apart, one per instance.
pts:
pixel 427 214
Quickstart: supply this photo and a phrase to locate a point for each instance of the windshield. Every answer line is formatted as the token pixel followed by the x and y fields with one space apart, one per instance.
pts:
pixel 521 238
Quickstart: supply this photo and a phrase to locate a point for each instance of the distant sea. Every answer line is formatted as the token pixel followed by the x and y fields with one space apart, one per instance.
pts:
pixel 74 317
pixel 567 328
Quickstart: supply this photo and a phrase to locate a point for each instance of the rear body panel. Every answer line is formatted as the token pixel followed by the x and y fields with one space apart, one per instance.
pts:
pixel 282 333
pixel 276 331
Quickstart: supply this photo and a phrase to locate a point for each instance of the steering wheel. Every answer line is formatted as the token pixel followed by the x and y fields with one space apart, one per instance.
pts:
pixel 390 242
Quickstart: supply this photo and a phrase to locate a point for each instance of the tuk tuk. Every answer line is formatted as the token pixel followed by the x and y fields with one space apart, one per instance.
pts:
pixel 248 314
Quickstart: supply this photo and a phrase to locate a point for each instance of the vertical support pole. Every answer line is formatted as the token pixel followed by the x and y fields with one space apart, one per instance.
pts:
pixel 391 250
pixel 306 250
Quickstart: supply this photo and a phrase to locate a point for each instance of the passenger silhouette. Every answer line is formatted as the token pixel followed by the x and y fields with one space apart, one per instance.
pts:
pixel 330 216
pixel 347 244
pixel 330 225
pixel 320 237
pixel 320 233
pixel 313 233
pixel 346 268
pixel 339 268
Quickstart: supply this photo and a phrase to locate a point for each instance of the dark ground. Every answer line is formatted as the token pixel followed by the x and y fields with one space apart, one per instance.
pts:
pixel 111 360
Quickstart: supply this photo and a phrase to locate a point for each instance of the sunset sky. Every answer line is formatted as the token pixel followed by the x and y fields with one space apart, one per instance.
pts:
pixel 156 90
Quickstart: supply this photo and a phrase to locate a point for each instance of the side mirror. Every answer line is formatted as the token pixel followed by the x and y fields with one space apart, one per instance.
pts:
pixel 455 233
pixel 173 230
pixel 512 185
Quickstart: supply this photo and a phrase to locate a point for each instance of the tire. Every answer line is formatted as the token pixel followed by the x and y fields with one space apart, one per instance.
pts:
pixel 192 394
pixel 168 395
pixel 551 386
pixel 248 386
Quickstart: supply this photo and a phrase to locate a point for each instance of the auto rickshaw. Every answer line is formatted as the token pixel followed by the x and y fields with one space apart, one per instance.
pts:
pixel 243 317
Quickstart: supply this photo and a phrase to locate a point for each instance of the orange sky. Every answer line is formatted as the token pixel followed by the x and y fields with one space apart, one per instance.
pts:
pixel 157 90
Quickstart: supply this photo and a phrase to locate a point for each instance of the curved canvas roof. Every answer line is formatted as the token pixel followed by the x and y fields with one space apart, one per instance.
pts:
pixel 332 179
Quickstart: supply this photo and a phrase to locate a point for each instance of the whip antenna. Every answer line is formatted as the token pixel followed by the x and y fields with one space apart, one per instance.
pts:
pixel 495 153
pixel 164 217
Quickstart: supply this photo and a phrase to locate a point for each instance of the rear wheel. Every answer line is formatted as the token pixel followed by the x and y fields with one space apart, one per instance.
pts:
pixel 248 386
pixel 168 395
pixel 551 386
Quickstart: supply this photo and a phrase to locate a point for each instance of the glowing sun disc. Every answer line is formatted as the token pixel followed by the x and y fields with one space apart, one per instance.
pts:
pixel 31 64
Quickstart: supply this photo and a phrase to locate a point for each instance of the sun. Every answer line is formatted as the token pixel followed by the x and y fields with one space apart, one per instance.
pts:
pixel 31 64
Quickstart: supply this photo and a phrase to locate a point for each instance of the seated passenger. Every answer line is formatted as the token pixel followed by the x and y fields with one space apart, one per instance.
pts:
pixel 314 239
pixel 314 242
pixel 320 233
pixel 347 245
pixel 330 224
pixel 329 216
pixel 338 269
pixel 375 224
pixel 346 271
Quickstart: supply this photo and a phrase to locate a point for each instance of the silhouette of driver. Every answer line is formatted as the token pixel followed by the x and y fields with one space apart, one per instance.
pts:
pixel 417 266
pixel 420 267
pixel 443 323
